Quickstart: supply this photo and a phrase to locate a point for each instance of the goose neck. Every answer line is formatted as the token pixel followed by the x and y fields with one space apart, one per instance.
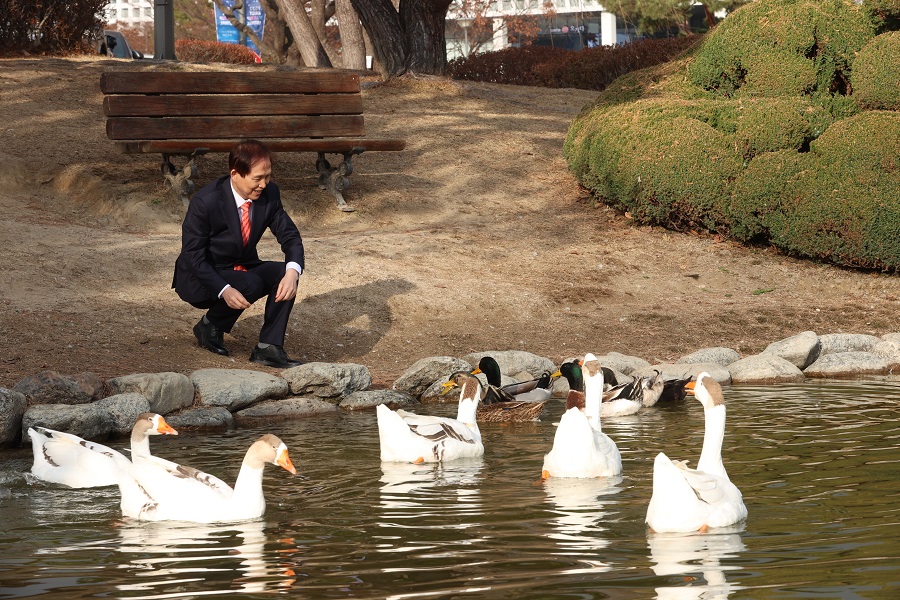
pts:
pixel 713 436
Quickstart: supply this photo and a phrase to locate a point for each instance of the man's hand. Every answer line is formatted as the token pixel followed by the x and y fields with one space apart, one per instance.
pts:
pixel 234 299
pixel 287 287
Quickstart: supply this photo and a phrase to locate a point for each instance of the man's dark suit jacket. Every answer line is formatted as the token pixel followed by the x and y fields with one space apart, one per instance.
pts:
pixel 211 238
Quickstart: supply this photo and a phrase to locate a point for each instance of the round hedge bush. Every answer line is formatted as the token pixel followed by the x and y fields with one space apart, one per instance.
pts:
pixel 876 73
pixel 699 142
pixel 783 48
pixel 838 202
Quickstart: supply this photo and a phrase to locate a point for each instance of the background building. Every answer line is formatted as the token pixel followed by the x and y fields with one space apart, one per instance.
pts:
pixel 129 13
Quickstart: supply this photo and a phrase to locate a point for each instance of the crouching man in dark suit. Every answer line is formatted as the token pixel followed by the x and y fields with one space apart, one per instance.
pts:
pixel 219 269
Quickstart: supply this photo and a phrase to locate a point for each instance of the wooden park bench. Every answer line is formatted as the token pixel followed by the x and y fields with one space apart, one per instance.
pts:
pixel 189 114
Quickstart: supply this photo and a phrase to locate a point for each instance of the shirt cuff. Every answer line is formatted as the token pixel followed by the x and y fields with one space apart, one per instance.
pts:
pixel 295 266
pixel 227 285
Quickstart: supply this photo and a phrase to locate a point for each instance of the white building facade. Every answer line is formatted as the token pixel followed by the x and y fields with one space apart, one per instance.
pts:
pixel 129 13
pixel 571 24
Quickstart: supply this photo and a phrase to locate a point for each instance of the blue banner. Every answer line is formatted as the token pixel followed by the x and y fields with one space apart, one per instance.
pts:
pixel 255 19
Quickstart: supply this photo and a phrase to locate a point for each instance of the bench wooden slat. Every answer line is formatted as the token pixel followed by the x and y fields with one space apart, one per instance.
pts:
pixel 177 128
pixel 241 82
pixel 334 145
pixel 225 105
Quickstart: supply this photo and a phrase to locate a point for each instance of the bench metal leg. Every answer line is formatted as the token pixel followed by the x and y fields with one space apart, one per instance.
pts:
pixel 182 182
pixel 335 179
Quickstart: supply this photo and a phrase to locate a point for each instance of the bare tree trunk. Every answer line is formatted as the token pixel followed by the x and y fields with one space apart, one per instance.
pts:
pixel 353 47
pixel 423 22
pixel 305 37
pixel 382 23
pixel 320 12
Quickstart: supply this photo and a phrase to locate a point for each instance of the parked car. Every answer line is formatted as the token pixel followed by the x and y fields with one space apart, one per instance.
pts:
pixel 114 44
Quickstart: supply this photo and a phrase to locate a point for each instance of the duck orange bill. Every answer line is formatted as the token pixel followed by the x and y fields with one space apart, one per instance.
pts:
pixel 165 428
pixel 689 386
pixel 284 461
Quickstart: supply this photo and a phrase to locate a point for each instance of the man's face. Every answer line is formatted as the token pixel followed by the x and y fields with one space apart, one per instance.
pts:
pixel 250 186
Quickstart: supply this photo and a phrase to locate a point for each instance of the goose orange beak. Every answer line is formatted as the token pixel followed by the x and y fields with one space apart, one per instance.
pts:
pixel 689 386
pixel 284 461
pixel 164 428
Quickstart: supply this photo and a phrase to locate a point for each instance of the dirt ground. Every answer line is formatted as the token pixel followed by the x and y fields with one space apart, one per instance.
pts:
pixel 476 237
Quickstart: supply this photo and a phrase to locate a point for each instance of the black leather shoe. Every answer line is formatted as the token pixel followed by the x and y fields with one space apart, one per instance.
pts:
pixel 210 337
pixel 273 356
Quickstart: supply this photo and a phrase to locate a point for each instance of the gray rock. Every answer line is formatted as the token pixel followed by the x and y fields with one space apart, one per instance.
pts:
pixel 50 387
pixel 889 350
pixel 435 394
pixel 685 370
pixel 891 337
pixel 764 368
pixel 627 365
pixel 720 356
pixel 835 343
pixel 514 361
pixel 424 372
pixel 110 417
pixel 167 392
pixel 215 418
pixel 235 389
pixel 327 380
pixel 801 350
pixel 372 398
pixel 847 364
pixel 12 408
pixel 276 411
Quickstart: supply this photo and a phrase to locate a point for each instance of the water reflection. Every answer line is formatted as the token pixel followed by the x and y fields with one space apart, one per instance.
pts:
pixel 429 497
pixel 579 509
pixel 170 559
pixel 698 557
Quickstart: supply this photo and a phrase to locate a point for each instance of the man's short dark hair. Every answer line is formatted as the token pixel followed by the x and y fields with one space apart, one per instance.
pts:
pixel 247 153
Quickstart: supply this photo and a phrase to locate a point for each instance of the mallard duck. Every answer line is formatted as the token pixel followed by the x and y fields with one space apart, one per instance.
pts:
pixel 408 437
pixel 533 390
pixel 580 448
pixel 624 399
pixel 493 408
pixel 674 389
pixel 155 489
pixel 686 500
pixel 67 459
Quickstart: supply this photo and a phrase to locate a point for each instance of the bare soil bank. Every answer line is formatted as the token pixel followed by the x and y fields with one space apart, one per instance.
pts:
pixel 474 238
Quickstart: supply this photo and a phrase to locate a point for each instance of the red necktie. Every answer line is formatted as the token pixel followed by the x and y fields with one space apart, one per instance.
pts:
pixel 245 228
pixel 245 221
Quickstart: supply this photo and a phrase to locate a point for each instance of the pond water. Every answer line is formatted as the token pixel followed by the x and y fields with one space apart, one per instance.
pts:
pixel 818 464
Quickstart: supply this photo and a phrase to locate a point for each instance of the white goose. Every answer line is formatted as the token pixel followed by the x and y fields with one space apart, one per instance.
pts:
pixel 67 459
pixel 408 437
pixel 686 500
pixel 580 448
pixel 155 489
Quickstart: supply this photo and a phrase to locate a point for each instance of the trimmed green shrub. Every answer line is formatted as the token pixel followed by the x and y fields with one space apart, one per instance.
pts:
pixel 801 168
pixel 658 161
pixel 876 73
pixel 840 202
pixel 783 48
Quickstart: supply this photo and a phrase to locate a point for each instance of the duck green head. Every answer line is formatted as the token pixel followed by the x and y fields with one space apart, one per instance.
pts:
pixel 572 372
pixel 488 365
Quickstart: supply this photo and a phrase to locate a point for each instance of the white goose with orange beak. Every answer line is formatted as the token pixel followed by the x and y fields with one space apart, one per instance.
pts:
pixel 580 448
pixel 155 489
pixel 407 437
pixel 67 459
pixel 686 500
